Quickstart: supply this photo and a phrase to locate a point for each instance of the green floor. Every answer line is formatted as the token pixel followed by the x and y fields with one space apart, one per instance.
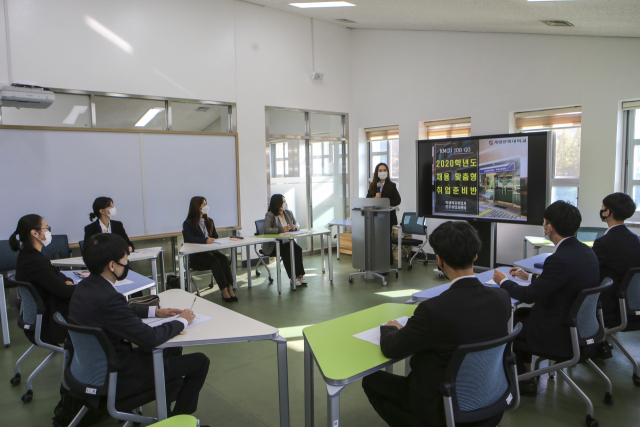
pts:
pixel 241 389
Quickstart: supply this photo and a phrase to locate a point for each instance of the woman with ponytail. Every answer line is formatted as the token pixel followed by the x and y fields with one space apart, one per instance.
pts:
pixel 103 222
pixel 55 289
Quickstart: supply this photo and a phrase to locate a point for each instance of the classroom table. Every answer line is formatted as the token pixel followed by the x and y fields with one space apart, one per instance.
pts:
pixel 321 231
pixel 152 254
pixel 528 263
pixel 140 282
pixel 484 277
pixel 223 243
pixel 342 358
pixel 338 223
pixel 539 242
pixel 237 328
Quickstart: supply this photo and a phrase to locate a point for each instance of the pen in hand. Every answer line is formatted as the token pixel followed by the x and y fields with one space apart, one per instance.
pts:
pixel 194 303
pixel 514 274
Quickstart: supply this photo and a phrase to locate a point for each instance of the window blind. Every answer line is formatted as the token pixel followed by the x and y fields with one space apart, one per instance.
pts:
pixel 382 133
pixel 446 128
pixel 548 119
pixel 632 105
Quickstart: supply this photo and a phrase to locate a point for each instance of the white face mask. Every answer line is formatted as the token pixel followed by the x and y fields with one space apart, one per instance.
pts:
pixel 544 230
pixel 382 175
pixel 204 210
pixel 47 238
pixel 285 206
pixel 111 212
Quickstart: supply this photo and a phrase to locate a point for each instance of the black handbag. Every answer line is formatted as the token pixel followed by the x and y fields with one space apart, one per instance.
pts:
pixel 173 282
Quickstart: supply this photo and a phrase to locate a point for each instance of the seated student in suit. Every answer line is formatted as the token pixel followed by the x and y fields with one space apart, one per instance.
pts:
pixel 467 313
pixel 279 219
pixel 199 228
pixel 103 222
pixel 617 251
pixel 31 235
pixel 97 303
pixel 572 268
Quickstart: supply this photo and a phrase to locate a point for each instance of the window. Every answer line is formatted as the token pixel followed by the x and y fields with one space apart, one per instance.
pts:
pixel 384 147
pixel 67 110
pixel 284 159
pixel 564 150
pixel 198 117
pixel 130 113
pixel 321 164
pixel 445 128
pixel 632 154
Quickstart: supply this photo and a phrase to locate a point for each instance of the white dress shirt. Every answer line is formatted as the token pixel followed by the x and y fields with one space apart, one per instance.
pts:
pixel 104 228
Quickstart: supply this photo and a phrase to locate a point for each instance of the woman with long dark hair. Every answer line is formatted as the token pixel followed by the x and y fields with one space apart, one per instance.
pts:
pixel 383 187
pixel 279 219
pixel 102 216
pixel 199 228
pixel 55 289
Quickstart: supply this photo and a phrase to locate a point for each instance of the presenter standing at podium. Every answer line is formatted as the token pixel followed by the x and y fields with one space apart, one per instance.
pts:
pixel 383 187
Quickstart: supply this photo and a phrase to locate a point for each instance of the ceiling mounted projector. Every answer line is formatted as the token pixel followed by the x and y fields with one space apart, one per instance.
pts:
pixel 26 96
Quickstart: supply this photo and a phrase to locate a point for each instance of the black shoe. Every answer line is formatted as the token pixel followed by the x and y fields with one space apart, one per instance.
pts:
pixel 604 351
pixel 528 387
pixel 226 299
pixel 234 299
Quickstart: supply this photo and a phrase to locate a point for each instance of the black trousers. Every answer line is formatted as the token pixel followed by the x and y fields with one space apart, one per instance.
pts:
pixel 193 367
pixel 520 346
pixel 285 255
pixel 218 263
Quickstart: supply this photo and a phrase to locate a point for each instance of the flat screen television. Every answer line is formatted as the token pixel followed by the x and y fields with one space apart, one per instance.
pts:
pixel 499 178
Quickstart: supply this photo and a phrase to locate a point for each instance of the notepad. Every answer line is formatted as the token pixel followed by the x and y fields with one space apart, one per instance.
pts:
pixel 157 321
pixel 293 233
pixel 124 282
pixel 373 334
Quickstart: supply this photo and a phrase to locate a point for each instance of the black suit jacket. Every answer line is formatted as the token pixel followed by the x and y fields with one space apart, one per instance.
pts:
pixel 116 228
pixel 617 252
pixel 389 191
pixel 571 269
pixel 96 303
pixel 467 313
pixel 193 234
pixel 33 267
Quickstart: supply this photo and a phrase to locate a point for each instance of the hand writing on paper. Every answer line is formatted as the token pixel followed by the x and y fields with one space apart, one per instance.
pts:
pixel 210 240
pixel 393 323
pixel 188 314
pixel 498 276
pixel 518 272
pixel 167 312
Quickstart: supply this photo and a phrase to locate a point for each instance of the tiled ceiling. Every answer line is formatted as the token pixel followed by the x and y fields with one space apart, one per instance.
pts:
pixel 614 18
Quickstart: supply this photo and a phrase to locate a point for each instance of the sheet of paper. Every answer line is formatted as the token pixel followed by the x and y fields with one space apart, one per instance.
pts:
pixel 147 251
pixel 294 233
pixel 373 334
pixel 518 281
pixel 157 321
pixel 124 282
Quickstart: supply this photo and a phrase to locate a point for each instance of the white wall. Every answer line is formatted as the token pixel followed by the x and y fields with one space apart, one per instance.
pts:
pixel 441 75
pixel 220 50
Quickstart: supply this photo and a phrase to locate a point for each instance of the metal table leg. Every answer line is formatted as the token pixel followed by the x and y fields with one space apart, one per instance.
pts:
pixel 308 386
pixel 234 262
pixel 154 275
pixel 3 314
pixel 278 272
pixel 181 272
pixel 524 249
pixel 187 273
pixel 163 278
pixel 322 250
pixel 338 236
pixel 293 263
pixel 536 250
pixel 283 381
pixel 158 373
pixel 333 405
pixel 248 266
pixel 331 260
pixel 400 248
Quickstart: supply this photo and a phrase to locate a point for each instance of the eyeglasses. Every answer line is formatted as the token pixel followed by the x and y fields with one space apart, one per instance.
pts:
pixel 48 227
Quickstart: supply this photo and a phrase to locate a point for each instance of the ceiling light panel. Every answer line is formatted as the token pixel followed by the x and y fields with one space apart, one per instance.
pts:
pixel 148 116
pixel 322 4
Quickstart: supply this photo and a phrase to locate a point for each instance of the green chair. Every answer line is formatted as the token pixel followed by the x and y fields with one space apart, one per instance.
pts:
pixel 178 421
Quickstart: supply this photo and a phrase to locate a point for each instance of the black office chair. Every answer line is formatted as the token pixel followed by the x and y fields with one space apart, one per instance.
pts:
pixel 8 258
pixel 31 320
pixel 81 244
pixel 587 332
pixel 480 382
pixel 58 248
pixel 412 224
pixel 589 234
pixel 90 373
pixel 629 300
pixel 259 231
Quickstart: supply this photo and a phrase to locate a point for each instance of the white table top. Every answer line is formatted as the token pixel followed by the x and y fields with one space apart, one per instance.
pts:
pixel 140 282
pixel 147 253
pixel 226 326
pixel 340 222
pixel 225 243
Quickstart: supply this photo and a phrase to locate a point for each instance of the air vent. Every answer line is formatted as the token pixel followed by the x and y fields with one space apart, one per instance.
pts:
pixel 347 21
pixel 203 109
pixel 558 23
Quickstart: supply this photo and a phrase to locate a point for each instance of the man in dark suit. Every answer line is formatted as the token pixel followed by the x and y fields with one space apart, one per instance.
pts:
pixel 617 251
pixel 467 313
pixel 97 303
pixel 572 268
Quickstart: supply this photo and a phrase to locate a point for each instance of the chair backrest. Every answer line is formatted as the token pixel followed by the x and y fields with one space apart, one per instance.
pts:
pixel 8 258
pixel 58 248
pixel 584 314
pixel 413 224
pixel 259 227
pixel 81 244
pixel 589 234
pixel 480 379
pixel 629 289
pixel 92 360
pixel 32 304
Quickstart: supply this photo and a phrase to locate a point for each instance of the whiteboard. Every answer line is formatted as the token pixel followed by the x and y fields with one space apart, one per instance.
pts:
pixel 181 166
pixel 150 176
